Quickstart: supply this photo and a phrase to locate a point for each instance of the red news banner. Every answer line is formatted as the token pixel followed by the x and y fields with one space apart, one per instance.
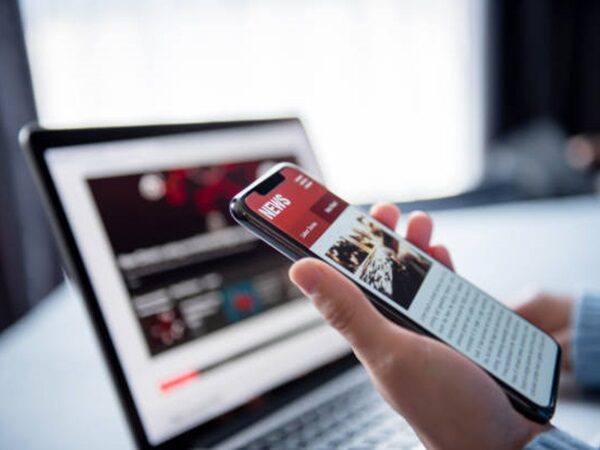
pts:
pixel 299 206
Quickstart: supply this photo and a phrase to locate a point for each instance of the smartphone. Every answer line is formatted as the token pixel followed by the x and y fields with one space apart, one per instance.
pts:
pixel 299 217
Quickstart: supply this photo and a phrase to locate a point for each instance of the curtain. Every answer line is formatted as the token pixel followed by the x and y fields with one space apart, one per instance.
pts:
pixel 545 64
pixel 29 266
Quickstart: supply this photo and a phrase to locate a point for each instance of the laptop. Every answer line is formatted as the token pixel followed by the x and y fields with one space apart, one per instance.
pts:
pixel 208 342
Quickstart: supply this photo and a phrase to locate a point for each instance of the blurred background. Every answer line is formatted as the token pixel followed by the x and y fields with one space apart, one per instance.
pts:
pixel 472 102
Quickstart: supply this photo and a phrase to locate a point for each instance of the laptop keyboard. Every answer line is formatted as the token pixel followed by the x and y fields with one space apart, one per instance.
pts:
pixel 357 419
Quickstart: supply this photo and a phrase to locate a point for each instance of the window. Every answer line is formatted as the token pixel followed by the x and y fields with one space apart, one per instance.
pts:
pixel 390 90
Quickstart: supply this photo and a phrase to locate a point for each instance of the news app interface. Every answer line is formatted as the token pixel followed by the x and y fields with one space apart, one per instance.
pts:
pixel 449 307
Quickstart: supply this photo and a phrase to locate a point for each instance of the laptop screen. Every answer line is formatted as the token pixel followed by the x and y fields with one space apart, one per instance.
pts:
pixel 202 314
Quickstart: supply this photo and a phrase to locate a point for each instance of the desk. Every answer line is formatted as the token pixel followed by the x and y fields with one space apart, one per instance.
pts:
pixel 56 391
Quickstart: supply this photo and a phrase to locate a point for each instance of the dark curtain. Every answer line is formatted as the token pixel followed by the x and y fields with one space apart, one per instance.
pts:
pixel 29 266
pixel 545 63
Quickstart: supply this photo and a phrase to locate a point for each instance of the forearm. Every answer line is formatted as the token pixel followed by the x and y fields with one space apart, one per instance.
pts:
pixel 556 440
pixel 586 366
pixel 586 342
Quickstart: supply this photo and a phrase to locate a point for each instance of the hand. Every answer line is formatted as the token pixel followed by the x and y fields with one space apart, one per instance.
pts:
pixel 449 401
pixel 553 314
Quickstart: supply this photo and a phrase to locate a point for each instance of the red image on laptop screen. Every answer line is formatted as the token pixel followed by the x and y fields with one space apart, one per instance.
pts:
pixel 299 206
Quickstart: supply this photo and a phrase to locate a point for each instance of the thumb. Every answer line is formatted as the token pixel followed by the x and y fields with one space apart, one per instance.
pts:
pixel 346 308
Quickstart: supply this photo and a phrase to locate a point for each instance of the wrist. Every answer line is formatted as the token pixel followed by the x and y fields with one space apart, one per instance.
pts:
pixel 534 430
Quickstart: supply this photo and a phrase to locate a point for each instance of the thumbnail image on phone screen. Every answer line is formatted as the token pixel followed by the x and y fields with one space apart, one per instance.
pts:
pixel 389 268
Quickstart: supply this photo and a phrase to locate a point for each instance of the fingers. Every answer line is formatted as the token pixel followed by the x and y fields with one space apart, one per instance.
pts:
pixel 533 311
pixel 346 308
pixel 549 312
pixel 419 229
pixel 386 213
pixel 420 225
pixel 563 338
pixel 442 254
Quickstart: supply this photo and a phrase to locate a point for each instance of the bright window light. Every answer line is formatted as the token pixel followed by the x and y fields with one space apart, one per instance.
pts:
pixel 390 90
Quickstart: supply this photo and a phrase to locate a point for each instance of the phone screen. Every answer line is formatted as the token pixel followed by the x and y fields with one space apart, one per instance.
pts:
pixel 447 306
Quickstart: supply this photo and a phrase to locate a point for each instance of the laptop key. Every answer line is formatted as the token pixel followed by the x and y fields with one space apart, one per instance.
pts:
pixel 357 419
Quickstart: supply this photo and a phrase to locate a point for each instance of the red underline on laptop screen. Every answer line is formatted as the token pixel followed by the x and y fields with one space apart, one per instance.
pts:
pixel 192 375
pixel 171 383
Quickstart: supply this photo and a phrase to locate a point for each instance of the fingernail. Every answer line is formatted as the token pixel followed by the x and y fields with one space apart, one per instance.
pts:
pixel 307 279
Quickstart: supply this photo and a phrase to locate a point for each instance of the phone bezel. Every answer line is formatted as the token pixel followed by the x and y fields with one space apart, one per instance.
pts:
pixel 294 251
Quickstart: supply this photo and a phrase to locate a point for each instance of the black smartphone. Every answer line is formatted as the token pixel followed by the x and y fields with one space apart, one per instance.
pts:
pixel 299 217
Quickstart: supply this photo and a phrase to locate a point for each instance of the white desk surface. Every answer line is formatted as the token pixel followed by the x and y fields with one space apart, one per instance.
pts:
pixel 56 392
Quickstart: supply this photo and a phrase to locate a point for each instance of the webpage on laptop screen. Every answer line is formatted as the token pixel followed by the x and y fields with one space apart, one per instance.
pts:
pixel 202 314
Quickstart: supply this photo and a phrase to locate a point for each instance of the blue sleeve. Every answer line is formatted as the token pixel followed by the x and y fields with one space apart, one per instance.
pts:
pixel 586 342
pixel 586 366
pixel 556 440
